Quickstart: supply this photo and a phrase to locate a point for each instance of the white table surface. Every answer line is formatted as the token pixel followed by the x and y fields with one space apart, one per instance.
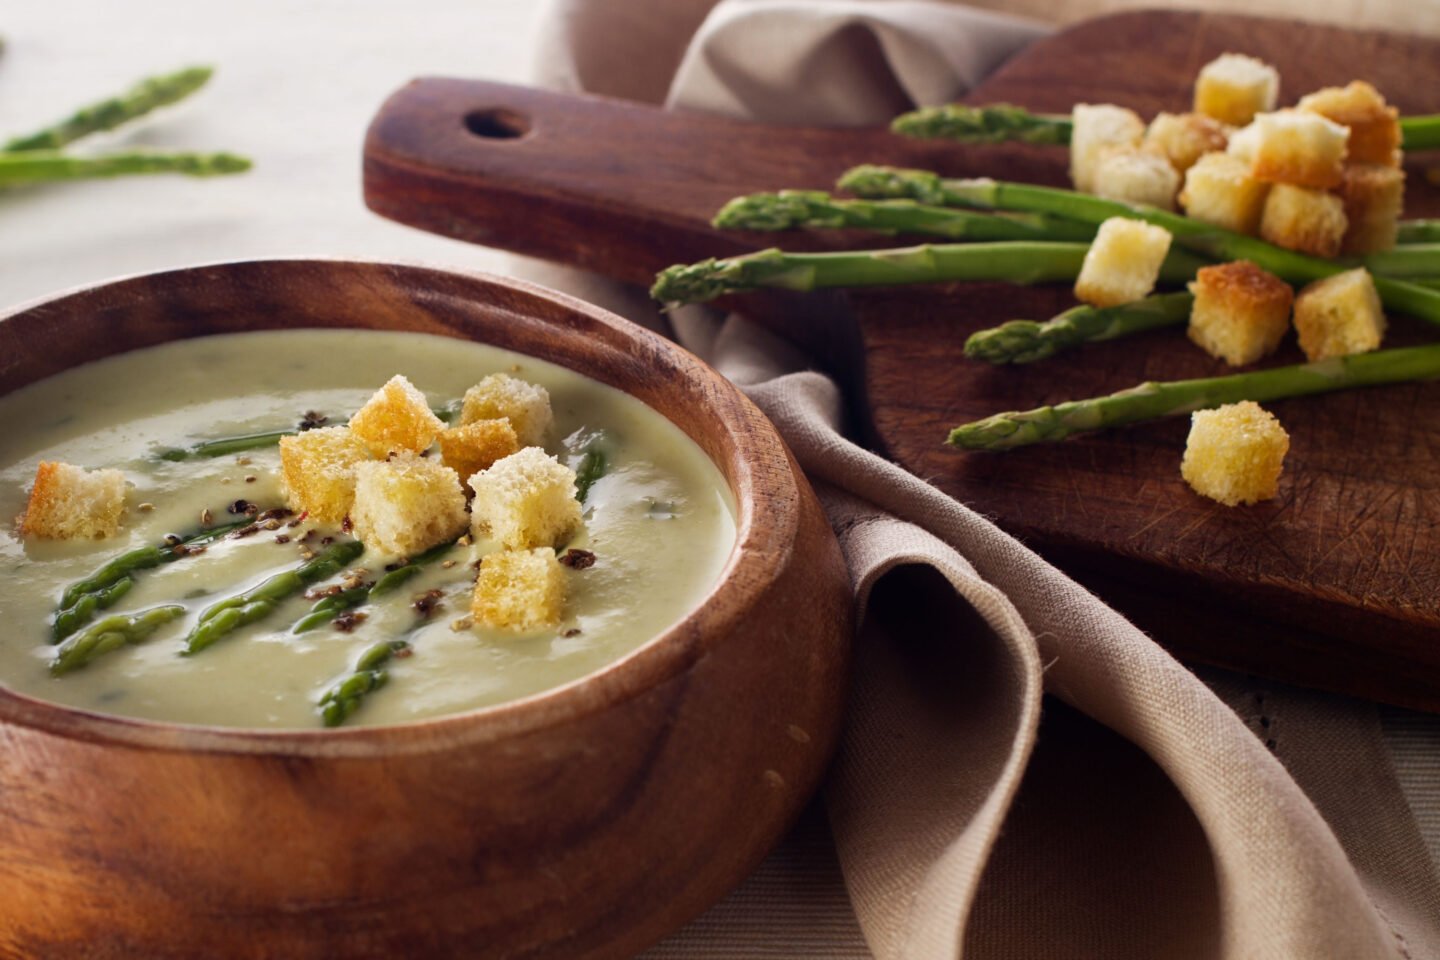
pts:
pixel 296 83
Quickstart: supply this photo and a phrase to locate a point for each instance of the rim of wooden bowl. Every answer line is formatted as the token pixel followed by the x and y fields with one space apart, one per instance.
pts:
pixel 755 464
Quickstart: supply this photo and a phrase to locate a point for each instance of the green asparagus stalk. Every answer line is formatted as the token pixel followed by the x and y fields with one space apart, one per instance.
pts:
pixel 1418 231
pixel 1413 261
pixel 1025 341
pixel 223 446
pixel 400 575
pixel 75 616
pixel 122 567
pixel 593 464
pixel 328 608
pixel 1152 400
pixel 1201 238
pixel 791 209
pixel 260 601
pixel 147 95
pixel 1016 262
pixel 32 166
pixel 991 123
pixel 110 634
pixel 342 699
pixel 999 122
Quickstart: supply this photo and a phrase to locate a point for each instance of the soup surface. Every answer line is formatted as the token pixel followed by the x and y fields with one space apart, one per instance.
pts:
pixel 660 523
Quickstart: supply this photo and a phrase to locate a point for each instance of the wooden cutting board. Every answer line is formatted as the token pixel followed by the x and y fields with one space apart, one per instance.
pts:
pixel 1335 584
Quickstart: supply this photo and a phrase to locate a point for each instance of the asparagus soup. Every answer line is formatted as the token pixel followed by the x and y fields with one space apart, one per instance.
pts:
pixel 221 601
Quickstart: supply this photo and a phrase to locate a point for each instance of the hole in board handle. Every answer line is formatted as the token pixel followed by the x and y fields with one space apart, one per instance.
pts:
pixel 497 123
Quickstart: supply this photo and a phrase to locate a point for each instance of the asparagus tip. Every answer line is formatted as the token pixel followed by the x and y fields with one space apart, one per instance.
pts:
pixel 769 211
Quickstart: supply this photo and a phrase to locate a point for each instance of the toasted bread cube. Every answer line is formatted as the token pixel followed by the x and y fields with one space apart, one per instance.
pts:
pixel 1243 143
pixel 525 500
pixel 1232 88
pixel 1373 196
pixel 69 502
pixel 407 504
pixel 1132 175
pixel 1235 453
pixel 525 405
pixel 397 419
pixel 1185 137
pixel 1241 312
pixel 1299 148
pixel 1219 190
pixel 473 447
pixel 317 468
pixel 1297 218
pixel 1122 263
pixel 1374 124
pixel 1094 129
pixel 519 590
pixel 1339 315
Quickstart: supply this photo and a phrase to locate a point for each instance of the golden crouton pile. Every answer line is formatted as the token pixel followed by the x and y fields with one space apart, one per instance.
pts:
pixel 375 473
pixel 1322 177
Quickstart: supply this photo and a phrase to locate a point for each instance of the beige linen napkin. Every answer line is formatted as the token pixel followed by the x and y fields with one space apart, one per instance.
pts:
pixel 1129 813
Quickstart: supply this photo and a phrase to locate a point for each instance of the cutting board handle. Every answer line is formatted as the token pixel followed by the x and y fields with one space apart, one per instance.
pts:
pixel 615 187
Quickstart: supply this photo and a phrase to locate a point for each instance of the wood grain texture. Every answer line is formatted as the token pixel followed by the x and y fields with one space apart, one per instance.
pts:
pixel 584 822
pixel 1336 584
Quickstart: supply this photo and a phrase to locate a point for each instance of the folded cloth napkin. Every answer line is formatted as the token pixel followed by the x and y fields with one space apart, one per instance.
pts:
pixel 1023 773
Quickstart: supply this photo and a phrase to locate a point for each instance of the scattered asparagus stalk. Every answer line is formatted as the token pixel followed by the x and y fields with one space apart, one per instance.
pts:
pixel 1201 238
pixel 400 575
pixel 223 446
pixel 1152 400
pixel 110 634
pixel 1418 231
pixel 999 122
pixel 328 608
pixel 147 95
pixel 119 570
pixel 1025 341
pixel 1413 261
pixel 342 699
pixel 260 601
pixel 1015 262
pixel 792 209
pixel 36 165
pixel 75 616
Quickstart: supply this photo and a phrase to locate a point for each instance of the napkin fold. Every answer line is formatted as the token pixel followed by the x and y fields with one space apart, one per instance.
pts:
pixel 1023 773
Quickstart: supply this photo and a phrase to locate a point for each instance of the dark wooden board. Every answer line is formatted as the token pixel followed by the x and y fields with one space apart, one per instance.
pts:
pixel 1335 584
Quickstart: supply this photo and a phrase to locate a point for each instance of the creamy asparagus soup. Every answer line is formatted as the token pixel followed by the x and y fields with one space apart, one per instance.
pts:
pixel 656 530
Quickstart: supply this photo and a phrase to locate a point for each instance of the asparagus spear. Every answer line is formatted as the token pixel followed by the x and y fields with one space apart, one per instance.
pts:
pixel 223 446
pixel 36 165
pixel 75 616
pixel 142 558
pixel 328 608
pixel 260 601
pixel 398 576
pixel 790 209
pixel 344 697
pixel 110 634
pixel 1025 341
pixel 1418 231
pixel 998 122
pixel 1016 262
pixel 1167 399
pixel 1413 261
pixel 1201 238
pixel 108 114
pixel 991 123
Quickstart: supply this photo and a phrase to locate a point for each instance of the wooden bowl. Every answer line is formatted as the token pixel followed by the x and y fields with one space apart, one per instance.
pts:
pixel 586 821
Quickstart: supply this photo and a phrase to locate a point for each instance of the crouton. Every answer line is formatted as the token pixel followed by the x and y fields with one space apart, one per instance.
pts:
pixel 525 405
pixel 69 502
pixel 1132 175
pixel 396 419
pixel 1235 453
pixel 1339 315
pixel 475 446
pixel 519 590
pixel 1373 196
pixel 1241 312
pixel 317 468
pixel 1094 128
pixel 1374 124
pixel 1243 143
pixel 407 504
pixel 1297 218
pixel 525 500
pixel 1184 138
pixel 1232 88
pixel 1299 148
pixel 1122 263
pixel 1219 190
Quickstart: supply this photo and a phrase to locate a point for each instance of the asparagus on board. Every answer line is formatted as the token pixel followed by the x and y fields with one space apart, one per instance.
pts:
pixel 1025 341
pixel 148 94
